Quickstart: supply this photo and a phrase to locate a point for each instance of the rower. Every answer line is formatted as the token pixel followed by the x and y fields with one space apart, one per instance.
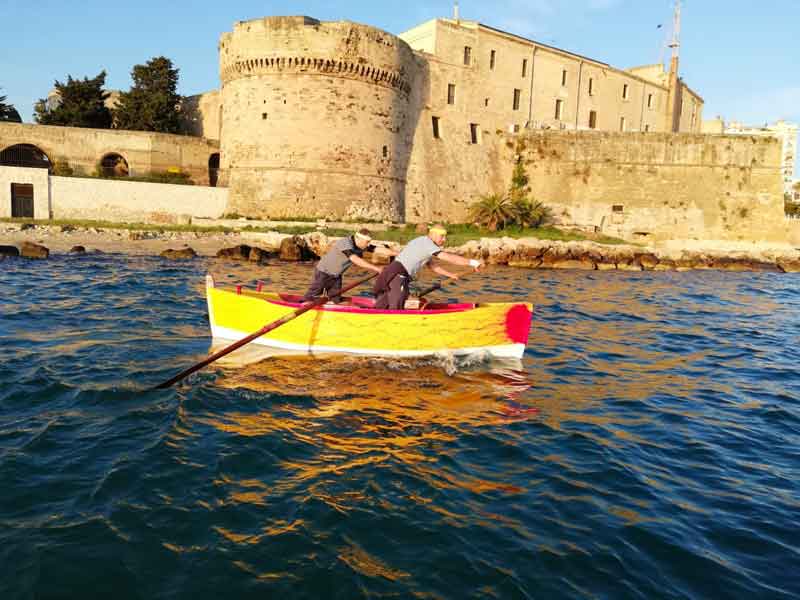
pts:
pixel 392 286
pixel 328 272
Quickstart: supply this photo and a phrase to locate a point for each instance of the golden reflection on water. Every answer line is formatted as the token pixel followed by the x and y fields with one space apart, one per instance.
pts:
pixel 608 348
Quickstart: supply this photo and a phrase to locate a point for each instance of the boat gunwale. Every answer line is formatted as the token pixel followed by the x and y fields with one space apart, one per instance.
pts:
pixel 336 308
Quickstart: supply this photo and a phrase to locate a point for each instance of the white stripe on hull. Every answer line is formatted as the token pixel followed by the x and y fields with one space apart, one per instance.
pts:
pixel 503 351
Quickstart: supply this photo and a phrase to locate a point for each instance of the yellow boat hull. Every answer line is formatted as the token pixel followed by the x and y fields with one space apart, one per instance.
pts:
pixel 499 329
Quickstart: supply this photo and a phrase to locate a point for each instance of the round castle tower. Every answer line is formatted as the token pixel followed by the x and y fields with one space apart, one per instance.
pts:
pixel 316 120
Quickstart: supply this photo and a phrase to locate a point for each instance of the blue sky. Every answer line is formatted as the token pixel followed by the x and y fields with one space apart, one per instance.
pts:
pixel 741 56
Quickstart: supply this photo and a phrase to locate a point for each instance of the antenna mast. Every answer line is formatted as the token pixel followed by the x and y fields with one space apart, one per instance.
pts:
pixel 676 30
pixel 456 16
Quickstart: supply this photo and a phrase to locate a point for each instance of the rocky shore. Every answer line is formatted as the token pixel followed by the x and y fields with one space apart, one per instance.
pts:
pixel 40 241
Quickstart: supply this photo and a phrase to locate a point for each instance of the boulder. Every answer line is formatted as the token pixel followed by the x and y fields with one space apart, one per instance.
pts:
pixel 629 266
pixel 77 250
pixel 526 253
pixel 665 264
pixel 67 228
pixel 789 265
pixel 26 226
pixel 647 260
pixel 258 255
pixel 182 254
pixel 691 263
pixel 381 256
pixel 470 249
pixel 555 254
pixel 316 242
pixel 240 252
pixel 533 263
pixel 31 250
pixel 9 251
pixel 606 266
pixel 742 264
pixel 572 263
pixel 291 249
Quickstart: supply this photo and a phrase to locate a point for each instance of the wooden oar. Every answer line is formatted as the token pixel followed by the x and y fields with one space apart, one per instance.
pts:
pixel 433 288
pixel 266 329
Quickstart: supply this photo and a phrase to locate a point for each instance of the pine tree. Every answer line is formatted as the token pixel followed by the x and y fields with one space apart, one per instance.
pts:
pixel 8 112
pixel 82 104
pixel 152 104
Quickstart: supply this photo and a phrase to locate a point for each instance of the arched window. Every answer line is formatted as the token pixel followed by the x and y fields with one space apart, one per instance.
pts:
pixel 213 169
pixel 113 165
pixel 25 155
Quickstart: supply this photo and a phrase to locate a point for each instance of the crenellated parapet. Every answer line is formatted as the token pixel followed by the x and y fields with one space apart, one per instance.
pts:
pixel 272 65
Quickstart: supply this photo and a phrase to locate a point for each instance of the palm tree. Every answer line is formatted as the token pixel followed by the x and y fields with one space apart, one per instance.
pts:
pixel 494 211
pixel 8 112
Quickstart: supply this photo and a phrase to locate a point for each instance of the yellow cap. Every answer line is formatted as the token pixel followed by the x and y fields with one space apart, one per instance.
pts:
pixel 439 230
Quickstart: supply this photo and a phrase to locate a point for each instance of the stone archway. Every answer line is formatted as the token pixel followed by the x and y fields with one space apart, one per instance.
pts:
pixel 25 155
pixel 213 169
pixel 113 165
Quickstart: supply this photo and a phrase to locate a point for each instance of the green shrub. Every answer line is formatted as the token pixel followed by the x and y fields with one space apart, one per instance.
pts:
pixel 494 212
pixel 529 213
pixel 61 168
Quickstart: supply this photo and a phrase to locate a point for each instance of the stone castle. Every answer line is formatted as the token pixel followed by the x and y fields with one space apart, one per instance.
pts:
pixel 341 120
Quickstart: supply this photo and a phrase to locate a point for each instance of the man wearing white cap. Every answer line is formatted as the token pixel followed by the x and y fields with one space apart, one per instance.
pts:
pixel 392 286
pixel 328 273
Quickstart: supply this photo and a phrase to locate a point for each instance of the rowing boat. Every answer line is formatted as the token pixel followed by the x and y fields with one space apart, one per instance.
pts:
pixel 354 326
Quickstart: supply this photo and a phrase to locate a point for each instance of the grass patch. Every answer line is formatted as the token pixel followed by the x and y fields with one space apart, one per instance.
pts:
pixel 457 234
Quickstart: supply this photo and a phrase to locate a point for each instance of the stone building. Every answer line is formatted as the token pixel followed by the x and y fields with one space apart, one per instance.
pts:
pixel 340 119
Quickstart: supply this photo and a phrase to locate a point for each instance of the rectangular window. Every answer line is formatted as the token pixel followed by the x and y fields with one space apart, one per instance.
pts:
pixel 451 93
pixel 559 109
pixel 564 77
pixel 646 128
pixel 624 91
pixel 486 102
pixel 591 86
pixel 435 123
pixel 473 133
pixel 22 200
pixel 467 55
pixel 592 119
pixel 492 55
pixel 617 208
pixel 649 100
pixel 517 94
pixel 516 128
pixel 524 67
pixel 622 123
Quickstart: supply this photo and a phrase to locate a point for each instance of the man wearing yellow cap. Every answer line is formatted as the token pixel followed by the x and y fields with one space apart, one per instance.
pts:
pixel 329 270
pixel 392 286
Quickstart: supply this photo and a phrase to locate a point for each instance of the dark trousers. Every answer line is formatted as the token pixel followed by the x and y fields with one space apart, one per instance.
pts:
pixel 392 287
pixel 324 283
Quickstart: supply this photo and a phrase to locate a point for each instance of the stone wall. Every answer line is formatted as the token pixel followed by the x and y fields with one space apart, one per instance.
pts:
pixel 112 199
pixel 143 151
pixel 317 118
pixel 636 186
